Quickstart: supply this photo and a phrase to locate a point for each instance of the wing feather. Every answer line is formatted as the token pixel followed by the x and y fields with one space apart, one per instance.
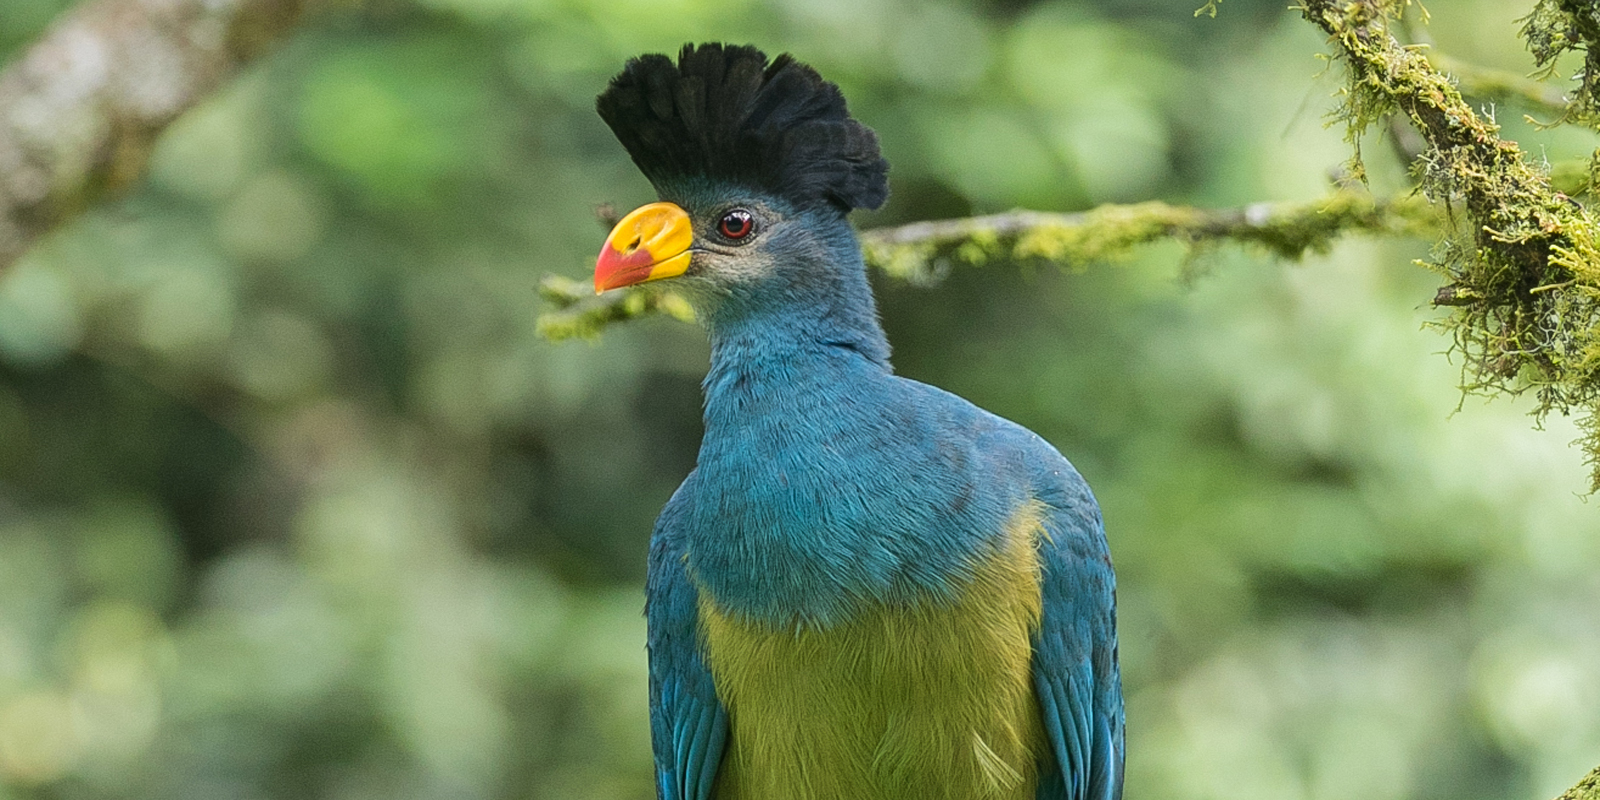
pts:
pixel 688 725
pixel 1075 650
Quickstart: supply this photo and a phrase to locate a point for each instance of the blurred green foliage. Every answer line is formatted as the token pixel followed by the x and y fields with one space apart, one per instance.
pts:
pixel 295 502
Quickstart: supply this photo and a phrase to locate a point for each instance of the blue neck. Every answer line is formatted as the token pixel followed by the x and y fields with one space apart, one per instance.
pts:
pixel 821 300
pixel 822 479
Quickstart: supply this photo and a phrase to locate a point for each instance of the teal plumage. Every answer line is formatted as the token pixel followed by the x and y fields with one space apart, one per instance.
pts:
pixel 868 587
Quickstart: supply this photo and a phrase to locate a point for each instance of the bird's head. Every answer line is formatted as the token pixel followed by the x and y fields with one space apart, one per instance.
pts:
pixel 756 164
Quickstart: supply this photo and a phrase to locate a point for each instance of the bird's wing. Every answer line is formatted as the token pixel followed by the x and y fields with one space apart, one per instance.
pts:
pixel 1075 651
pixel 688 725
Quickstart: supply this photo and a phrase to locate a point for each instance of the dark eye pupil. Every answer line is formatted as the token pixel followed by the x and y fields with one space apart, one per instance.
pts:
pixel 735 224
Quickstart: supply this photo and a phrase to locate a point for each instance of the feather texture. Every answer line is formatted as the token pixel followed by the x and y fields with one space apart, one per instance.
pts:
pixel 722 113
pixel 868 587
pixel 688 725
pixel 856 709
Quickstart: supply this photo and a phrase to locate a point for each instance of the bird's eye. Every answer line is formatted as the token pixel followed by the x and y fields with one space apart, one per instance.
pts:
pixel 736 224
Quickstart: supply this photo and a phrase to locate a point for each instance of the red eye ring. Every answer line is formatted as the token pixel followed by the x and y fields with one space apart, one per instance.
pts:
pixel 736 224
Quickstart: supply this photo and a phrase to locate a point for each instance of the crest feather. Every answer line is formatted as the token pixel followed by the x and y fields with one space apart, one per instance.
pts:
pixel 724 113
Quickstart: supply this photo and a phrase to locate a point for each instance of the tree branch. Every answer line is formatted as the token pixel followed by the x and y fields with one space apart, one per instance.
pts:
pixel 1486 83
pixel 1503 86
pixel 80 109
pixel 1557 26
pixel 1525 274
pixel 1587 789
pixel 916 252
pixel 922 251
pixel 581 314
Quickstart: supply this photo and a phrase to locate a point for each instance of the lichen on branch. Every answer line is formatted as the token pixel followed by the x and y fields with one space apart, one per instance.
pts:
pixel 921 252
pixel 1498 86
pixel 1523 279
pixel 579 313
pixel 1587 789
pixel 1555 27
pixel 918 252
pixel 1486 84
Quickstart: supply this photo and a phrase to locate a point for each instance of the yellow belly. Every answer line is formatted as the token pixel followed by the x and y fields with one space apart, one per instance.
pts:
pixel 930 702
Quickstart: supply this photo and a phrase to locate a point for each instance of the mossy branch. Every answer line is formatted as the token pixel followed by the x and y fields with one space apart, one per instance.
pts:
pixel 1504 87
pixel 1496 86
pixel 1557 26
pixel 922 252
pixel 80 109
pixel 1524 268
pixel 581 314
pixel 1587 789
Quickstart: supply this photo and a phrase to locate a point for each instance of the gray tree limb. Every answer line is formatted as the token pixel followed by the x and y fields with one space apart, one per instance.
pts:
pixel 81 107
pixel 1285 229
pixel 921 252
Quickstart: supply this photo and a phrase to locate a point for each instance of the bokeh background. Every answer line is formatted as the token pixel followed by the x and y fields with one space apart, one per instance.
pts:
pixel 295 503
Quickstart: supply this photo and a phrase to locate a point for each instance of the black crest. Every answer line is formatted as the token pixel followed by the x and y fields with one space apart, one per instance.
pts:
pixel 724 113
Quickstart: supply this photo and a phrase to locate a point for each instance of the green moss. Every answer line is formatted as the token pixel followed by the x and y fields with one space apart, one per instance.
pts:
pixel 1555 27
pixel 923 253
pixel 1587 789
pixel 1107 233
pixel 579 313
pixel 1486 85
pixel 1112 233
pixel 1523 285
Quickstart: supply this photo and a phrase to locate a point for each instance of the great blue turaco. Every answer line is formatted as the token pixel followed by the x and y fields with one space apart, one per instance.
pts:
pixel 868 588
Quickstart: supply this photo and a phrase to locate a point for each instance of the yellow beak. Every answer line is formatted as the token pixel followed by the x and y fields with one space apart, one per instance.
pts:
pixel 649 244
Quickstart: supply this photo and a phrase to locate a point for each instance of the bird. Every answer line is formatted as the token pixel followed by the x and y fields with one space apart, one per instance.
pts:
pixel 867 588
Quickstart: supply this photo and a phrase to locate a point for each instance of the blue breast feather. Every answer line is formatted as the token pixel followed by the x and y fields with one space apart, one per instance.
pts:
pixel 825 482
